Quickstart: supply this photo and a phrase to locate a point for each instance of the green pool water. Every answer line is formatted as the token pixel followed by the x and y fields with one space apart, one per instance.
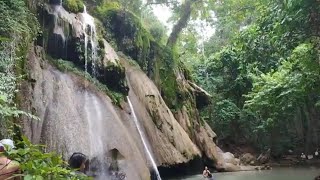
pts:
pixel 275 174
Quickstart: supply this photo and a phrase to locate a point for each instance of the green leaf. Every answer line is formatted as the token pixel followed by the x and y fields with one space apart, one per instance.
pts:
pixel 28 177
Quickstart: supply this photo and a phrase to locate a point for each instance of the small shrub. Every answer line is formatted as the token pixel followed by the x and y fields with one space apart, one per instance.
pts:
pixel 35 164
pixel 74 6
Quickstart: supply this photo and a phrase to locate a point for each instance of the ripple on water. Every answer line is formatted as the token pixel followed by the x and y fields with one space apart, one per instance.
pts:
pixel 275 174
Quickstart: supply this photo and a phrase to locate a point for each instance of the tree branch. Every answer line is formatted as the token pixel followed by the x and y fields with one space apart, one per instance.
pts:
pixel 182 23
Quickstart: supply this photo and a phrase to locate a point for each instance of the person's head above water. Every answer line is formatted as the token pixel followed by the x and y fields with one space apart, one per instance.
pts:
pixel 206 168
pixel 6 144
pixel 77 161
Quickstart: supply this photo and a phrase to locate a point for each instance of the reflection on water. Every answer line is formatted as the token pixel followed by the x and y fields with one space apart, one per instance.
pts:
pixel 275 174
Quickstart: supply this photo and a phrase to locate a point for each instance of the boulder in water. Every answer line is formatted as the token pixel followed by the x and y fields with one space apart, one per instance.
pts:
pixel 229 158
pixel 247 158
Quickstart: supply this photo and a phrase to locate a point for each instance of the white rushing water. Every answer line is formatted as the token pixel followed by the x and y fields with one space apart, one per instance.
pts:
pixel 143 138
pixel 90 35
pixel 94 113
pixel 95 119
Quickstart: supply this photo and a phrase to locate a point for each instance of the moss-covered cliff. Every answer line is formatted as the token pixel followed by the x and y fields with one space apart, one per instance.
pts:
pixel 165 98
pixel 171 77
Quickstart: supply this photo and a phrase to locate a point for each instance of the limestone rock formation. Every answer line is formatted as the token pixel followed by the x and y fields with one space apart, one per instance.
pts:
pixel 72 109
pixel 170 143
pixel 65 38
pixel 76 117
pixel 111 67
pixel 175 139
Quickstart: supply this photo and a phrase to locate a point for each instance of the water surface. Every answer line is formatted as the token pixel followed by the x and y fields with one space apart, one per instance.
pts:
pixel 275 174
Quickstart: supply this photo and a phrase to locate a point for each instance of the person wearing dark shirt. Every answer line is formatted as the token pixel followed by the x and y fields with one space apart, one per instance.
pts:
pixel 78 162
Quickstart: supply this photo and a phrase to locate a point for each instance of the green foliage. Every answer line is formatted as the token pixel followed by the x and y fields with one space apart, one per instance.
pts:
pixel 226 113
pixel 124 28
pixel 142 40
pixel 266 79
pixel 154 26
pixel 106 6
pixel 74 6
pixel 232 16
pixel 278 95
pixel 134 6
pixel 8 90
pixel 18 27
pixel 36 165
pixel 167 79
pixel 17 22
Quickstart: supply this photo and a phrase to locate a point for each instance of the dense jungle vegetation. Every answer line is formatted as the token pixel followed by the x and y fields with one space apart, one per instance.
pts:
pixel 261 67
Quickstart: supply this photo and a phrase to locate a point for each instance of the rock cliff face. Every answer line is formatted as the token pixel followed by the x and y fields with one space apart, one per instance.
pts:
pixel 66 36
pixel 78 116
pixel 71 111
pixel 170 143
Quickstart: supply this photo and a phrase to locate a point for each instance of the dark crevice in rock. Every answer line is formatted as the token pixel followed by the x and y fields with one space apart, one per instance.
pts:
pixel 192 167
pixel 55 2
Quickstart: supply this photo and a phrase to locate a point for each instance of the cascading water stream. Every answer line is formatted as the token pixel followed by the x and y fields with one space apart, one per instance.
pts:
pixel 96 131
pixel 92 107
pixel 143 138
pixel 90 36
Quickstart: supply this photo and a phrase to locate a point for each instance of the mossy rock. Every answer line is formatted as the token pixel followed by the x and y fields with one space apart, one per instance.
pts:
pixel 74 6
pixel 113 75
pixel 126 30
pixel 157 61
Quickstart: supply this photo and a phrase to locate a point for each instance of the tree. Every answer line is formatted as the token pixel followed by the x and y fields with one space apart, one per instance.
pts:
pixel 232 16
pixel 183 12
pixel 265 79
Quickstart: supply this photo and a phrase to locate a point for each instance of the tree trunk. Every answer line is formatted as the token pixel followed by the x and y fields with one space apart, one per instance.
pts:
pixel 308 129
pixel 182 22
pixel 313 119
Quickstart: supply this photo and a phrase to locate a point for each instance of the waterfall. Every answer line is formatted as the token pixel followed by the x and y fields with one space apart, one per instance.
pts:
pixel 143 138
pixel 92 105
pixel 95 119
pixel 90 36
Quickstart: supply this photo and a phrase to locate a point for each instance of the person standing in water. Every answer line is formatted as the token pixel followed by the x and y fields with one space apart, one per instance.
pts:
pixel 8 167
pixel 206 173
